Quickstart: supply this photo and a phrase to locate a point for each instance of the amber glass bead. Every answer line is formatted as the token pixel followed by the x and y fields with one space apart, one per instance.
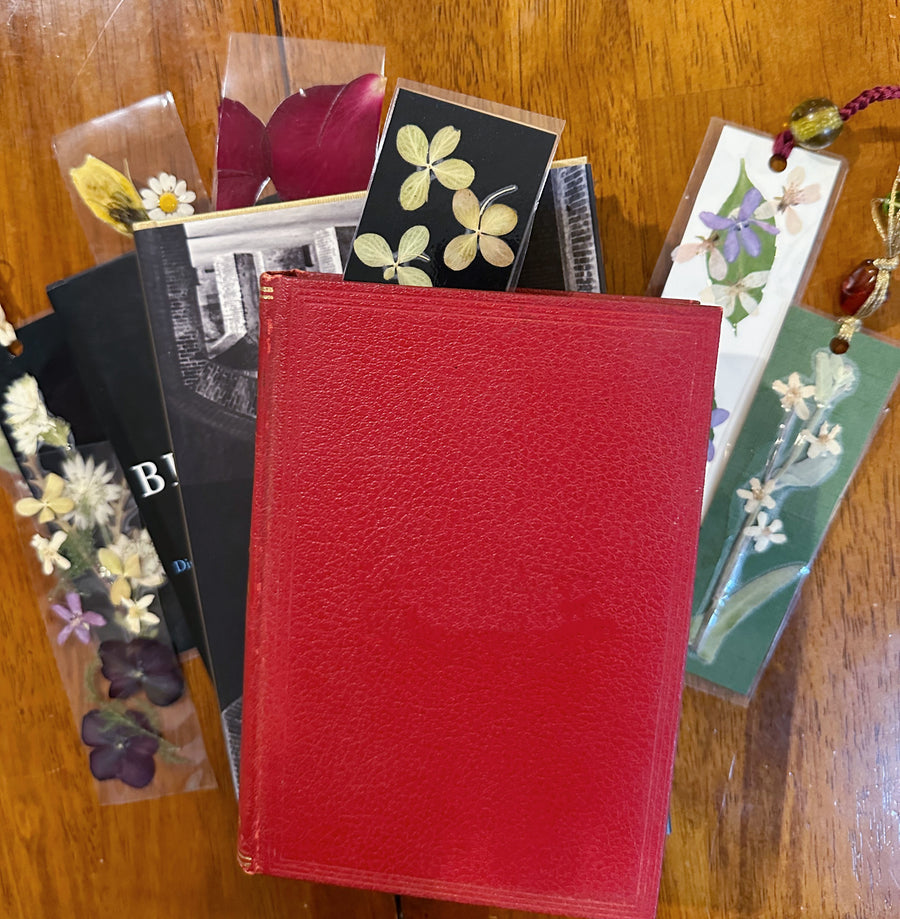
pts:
pixel 816 123
pixel 839 345
pixel 857 286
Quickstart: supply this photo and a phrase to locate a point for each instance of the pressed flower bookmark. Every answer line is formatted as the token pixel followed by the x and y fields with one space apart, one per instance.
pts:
pixel 807 429
pixel 129 166
pixel 97 566
pixel 745 237
pixel 452 198
pixel 298 116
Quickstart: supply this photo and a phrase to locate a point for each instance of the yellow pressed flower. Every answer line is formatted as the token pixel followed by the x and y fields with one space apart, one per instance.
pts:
pixel 432 160
pixel 485 222
pixel 121 568
pixel 109 194
pixel 374 251
pixel 51 504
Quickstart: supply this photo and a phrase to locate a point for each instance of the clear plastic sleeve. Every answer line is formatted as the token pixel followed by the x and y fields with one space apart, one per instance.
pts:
pixel 129 165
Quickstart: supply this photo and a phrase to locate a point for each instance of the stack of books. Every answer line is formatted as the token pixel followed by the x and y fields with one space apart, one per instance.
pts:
pixel 431 501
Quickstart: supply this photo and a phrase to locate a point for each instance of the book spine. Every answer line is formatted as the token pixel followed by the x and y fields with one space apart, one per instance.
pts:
pixel 252 744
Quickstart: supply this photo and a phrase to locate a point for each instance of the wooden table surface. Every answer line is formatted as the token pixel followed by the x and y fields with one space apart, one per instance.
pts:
pixel 787 808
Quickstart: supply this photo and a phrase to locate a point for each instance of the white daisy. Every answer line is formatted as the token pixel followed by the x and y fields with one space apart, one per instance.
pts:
pixel 48 552
pixel 167 196
pixel 92 489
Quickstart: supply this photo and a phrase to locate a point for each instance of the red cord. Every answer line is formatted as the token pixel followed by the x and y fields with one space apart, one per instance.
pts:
pixel 784 142
pixel 864 99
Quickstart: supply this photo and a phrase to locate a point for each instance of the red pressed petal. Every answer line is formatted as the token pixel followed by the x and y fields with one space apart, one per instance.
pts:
pixel 243 157
pixel 323 138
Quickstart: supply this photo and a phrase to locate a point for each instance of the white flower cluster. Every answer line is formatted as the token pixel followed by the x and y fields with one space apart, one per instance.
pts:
pixel 27 416
pixel 91 487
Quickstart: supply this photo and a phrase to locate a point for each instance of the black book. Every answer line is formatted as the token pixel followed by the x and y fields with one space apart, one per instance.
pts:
pixel 564 250
pixel 105 321
pixel 201 286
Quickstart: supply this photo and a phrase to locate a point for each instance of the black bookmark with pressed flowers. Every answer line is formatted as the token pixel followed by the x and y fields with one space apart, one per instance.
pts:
pixel 453 195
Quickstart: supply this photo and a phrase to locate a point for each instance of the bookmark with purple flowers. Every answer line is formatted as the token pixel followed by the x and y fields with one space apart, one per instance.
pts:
pixel 745 238
pixel 95 566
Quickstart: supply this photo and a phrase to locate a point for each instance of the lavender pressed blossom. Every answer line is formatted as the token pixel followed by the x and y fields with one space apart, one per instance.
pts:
pixel 719 416
pixel 77 620
pixel 741 228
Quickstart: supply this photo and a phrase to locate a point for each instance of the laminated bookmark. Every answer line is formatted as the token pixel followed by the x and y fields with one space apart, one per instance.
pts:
pixel 98 581
pixel 564 250
pixel 745 237
pixel 452 198
pixel 298 117
pixel 52 357
pixel 808 427
pixel 129 165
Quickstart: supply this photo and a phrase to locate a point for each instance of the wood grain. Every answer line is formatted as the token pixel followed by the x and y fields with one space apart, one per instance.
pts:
pixel 785 808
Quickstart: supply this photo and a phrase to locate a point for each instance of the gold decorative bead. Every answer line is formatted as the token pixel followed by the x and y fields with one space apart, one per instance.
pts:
pixel 816 123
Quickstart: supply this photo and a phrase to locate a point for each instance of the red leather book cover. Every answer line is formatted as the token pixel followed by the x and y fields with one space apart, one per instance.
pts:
pixel 472 554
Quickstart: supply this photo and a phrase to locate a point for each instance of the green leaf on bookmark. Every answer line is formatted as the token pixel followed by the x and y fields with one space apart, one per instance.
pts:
pixel 743 603
pixel 748 247
pixel 809 472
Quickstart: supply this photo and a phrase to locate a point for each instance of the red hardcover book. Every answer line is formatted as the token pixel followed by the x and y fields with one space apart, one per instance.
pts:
pixel 474 530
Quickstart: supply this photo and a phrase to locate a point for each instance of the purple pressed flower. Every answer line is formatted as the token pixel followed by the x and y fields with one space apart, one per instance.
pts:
pixel 718 416
pixel 740 228
pixel 124 746
pixel 77 620
pixel 142 663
